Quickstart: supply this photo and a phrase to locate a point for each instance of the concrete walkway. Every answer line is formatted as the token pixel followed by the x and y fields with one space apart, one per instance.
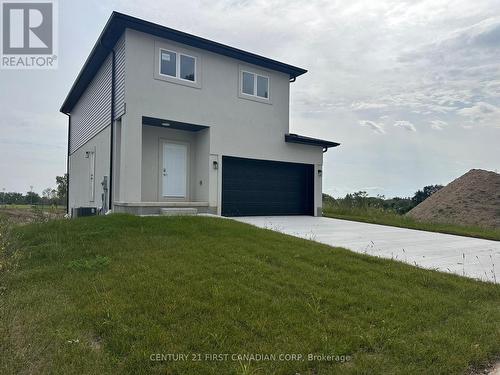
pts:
pixel 471 257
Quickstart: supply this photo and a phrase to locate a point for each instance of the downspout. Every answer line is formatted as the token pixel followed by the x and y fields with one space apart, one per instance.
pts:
pixel 67 164
pixel 112 132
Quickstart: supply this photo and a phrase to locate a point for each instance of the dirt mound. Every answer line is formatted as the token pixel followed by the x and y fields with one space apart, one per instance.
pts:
pixel 472 199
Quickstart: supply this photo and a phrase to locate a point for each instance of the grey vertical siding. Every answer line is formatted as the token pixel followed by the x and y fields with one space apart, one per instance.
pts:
pixel 120 77
pixel 92 113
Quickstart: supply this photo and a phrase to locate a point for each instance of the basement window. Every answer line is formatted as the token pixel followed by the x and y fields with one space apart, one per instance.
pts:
pixel 177 65
pixel 254 85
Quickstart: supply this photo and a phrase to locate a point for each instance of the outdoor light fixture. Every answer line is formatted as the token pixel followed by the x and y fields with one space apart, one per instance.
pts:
pixel 320 173
pixel 215 164
pixel 166 124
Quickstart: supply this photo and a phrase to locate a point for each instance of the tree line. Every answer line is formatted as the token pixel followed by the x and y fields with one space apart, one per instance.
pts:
pixel 50 196
pixel 361 200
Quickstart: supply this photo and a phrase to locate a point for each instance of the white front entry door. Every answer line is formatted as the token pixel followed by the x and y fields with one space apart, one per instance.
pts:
pixel 174 172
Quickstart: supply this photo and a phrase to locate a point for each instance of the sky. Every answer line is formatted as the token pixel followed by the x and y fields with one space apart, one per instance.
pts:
pixel 411 89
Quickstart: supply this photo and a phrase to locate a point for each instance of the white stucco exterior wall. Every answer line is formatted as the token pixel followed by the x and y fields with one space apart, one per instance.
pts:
pixel 238 126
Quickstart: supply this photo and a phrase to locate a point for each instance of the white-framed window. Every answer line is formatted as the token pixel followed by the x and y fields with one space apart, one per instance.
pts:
pixel 254 84
pixel 177 65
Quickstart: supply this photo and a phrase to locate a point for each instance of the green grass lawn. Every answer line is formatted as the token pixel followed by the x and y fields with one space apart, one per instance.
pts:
pixel 104 294
pixel 378 216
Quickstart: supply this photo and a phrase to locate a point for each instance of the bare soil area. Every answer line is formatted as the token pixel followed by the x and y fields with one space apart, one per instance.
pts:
pixel 472 199
pixel 27 214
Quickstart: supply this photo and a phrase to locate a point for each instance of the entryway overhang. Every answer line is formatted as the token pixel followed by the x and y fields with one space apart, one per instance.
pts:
pixel 300 139
pixel 171 124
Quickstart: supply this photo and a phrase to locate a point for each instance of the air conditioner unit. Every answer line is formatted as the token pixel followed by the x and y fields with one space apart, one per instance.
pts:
pixel 84 211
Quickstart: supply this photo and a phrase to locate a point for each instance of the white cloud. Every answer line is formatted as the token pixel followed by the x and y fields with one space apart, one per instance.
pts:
pixel 475 42
pixel 438 124
pixel 364 105
pixel 407 125
pixel 374 126
pixel 481 112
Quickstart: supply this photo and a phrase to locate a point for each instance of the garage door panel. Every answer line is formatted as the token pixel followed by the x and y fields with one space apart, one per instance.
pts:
pixel 263 187
pixel 256 196
pixel 261 209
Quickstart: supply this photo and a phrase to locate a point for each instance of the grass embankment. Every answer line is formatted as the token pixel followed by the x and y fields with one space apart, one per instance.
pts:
pixel 104 294
pixel 376 215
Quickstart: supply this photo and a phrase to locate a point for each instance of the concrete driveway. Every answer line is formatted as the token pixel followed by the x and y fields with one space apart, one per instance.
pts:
pixel 471 257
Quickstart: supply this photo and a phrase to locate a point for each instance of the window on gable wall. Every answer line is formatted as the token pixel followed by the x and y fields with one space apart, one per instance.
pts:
pixel 262 87
pixel 255 85
pixel 187 67
pixel 177 65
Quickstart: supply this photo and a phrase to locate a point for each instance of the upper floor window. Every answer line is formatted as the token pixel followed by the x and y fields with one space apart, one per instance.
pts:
pixel 254 84
pixel 177 65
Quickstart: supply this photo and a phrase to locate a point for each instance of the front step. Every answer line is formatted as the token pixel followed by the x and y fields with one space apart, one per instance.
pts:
pixel 177 211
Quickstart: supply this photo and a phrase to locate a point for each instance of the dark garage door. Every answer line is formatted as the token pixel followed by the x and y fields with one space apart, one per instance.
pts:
pixel 263 187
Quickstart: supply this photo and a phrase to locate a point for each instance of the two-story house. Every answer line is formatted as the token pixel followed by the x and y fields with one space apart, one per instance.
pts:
pixel 164 120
